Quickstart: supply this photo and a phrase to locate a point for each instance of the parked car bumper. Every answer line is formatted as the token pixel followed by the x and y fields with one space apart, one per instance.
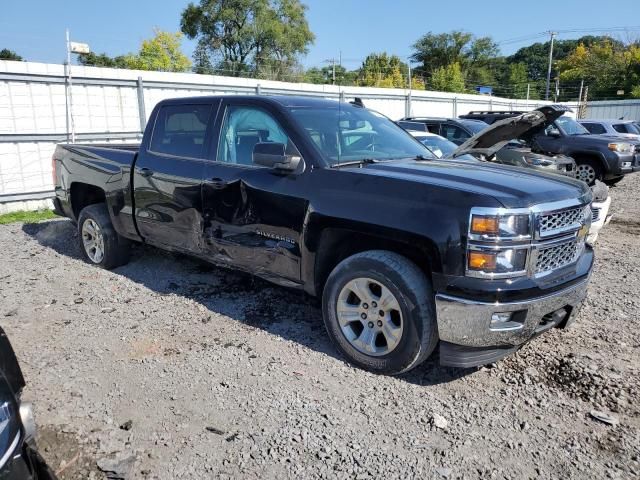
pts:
pixel 470 335
pixel 600 218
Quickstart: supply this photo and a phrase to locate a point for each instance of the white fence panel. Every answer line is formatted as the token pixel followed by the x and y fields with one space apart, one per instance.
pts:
pixel 611 110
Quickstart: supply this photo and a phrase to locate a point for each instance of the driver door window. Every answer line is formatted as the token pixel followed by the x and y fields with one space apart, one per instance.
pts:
pixel 243 128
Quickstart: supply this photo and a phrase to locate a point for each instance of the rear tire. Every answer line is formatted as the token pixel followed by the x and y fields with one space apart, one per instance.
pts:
pixel 99 242
pixel 389 326
pixel 588 170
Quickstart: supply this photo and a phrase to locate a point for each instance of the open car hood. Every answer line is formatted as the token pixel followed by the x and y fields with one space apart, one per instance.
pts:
pixel 500 133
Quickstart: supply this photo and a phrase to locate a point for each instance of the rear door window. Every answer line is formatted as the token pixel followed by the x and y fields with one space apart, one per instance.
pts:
pixel 180 130
pixel 594 128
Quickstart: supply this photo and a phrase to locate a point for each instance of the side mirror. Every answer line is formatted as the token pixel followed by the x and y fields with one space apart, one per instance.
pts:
pixel 554 132
pixel 273 155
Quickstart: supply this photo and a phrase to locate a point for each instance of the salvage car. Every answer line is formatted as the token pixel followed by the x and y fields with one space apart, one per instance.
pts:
pixel 19 457
pixel 405 252
pixel 514 153
pixel 598 157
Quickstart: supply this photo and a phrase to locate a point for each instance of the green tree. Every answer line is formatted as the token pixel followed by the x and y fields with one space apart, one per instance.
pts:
pixel 6 54
pixel 606 67
pixel 383 70
pixel 161 53
pixel 517 80
pixel 635 92
pixel 248 37
pixel 448 79
pixel 324 75
pixel 102 60
pixel 474 55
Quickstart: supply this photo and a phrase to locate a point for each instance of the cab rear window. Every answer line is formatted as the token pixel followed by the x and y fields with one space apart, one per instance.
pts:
pixel 180 130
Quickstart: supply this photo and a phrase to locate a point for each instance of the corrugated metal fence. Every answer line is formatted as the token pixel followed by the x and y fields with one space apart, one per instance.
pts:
pixel 41 106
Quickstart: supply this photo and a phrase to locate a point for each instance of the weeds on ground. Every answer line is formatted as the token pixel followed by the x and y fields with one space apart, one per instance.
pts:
pixel 26 217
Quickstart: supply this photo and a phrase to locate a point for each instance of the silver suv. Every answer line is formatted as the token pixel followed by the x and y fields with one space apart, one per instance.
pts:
pixel 619 128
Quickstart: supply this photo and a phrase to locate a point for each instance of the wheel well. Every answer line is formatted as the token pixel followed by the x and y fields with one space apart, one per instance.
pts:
pixel 590 156
pixel 337 244
pixel 83 195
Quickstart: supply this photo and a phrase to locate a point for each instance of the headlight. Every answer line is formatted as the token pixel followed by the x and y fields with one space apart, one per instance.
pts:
pixel 487 227
pixel 503 262
pixel 9 422
pixel 621 147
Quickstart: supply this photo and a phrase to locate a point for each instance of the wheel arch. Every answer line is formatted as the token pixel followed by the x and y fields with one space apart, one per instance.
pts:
pixel 336 243
pixel 84 194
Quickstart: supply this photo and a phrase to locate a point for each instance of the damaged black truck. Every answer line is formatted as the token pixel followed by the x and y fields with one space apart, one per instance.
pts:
pixel 405 252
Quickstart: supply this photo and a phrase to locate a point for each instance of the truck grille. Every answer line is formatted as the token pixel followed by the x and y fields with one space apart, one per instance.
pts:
pixel 558 256
pixel 557 222
pixel 595 214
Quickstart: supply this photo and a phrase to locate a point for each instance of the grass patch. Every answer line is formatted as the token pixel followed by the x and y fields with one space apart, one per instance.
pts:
pixel 27 217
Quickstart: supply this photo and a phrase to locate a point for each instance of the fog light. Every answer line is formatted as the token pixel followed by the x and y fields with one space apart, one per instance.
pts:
pixel 505 321
pixel 626 164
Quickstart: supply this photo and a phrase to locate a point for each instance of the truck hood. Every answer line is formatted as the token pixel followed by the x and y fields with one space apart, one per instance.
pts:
pixel 513 187
pixel 500 133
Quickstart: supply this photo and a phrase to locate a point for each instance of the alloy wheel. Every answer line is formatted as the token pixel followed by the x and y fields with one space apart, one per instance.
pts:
pixel 93 240
pixel 586 173
pixel 370 316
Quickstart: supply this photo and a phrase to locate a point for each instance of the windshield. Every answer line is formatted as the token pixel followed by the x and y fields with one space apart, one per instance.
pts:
pixel 347 133
pixel 570 127
pixel 633 128
pixel 441 147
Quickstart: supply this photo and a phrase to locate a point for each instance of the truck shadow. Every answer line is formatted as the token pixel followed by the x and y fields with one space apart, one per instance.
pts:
pixel 290 314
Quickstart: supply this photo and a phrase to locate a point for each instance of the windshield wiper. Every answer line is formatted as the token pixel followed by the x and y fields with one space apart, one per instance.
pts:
pixel 422 158
pixel 351 163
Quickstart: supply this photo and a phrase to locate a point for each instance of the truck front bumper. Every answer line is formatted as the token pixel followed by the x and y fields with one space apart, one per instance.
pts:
pixel 475 333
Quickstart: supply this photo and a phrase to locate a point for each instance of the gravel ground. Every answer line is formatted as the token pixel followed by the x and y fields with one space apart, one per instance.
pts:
pixel 169 368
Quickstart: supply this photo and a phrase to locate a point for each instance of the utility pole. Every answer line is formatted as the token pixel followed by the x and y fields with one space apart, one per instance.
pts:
pixel 553 35
pixel 528 93
pixel 69 100
pixel 557 91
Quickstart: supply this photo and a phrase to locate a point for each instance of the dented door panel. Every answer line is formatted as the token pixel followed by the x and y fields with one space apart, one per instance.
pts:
pixel 249 222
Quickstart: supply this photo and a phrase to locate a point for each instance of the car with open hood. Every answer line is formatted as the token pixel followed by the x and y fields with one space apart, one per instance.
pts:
pixel 606 158
pixel 514 152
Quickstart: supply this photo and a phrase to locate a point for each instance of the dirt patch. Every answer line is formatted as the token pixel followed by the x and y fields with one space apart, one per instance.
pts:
pixel 66 456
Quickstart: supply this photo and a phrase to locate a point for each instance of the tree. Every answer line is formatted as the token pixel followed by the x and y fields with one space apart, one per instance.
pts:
pixel 605 66
pixel 635 92
pixel 536 56
pixel 383 70
pixel 6 54
pixel 161 53
pixel 518 80
pixel 448 79
pixel 324 75
pixel 473 55
pixel 257 37
pixel 102 60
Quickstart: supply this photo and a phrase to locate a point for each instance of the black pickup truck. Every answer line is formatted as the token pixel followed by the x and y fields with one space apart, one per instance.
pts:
pixel 332 198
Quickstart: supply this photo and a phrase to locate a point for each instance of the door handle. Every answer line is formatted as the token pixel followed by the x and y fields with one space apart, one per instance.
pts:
pixel 217 183
pixel 146 172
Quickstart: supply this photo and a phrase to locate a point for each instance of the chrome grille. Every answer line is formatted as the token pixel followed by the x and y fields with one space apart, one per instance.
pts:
pixel 556 222
pixel 595 214
pixel 558 256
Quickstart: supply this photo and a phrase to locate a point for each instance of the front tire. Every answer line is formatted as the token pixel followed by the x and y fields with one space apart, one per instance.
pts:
pixel 99 242
pixel 378 309
pixel 588 170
